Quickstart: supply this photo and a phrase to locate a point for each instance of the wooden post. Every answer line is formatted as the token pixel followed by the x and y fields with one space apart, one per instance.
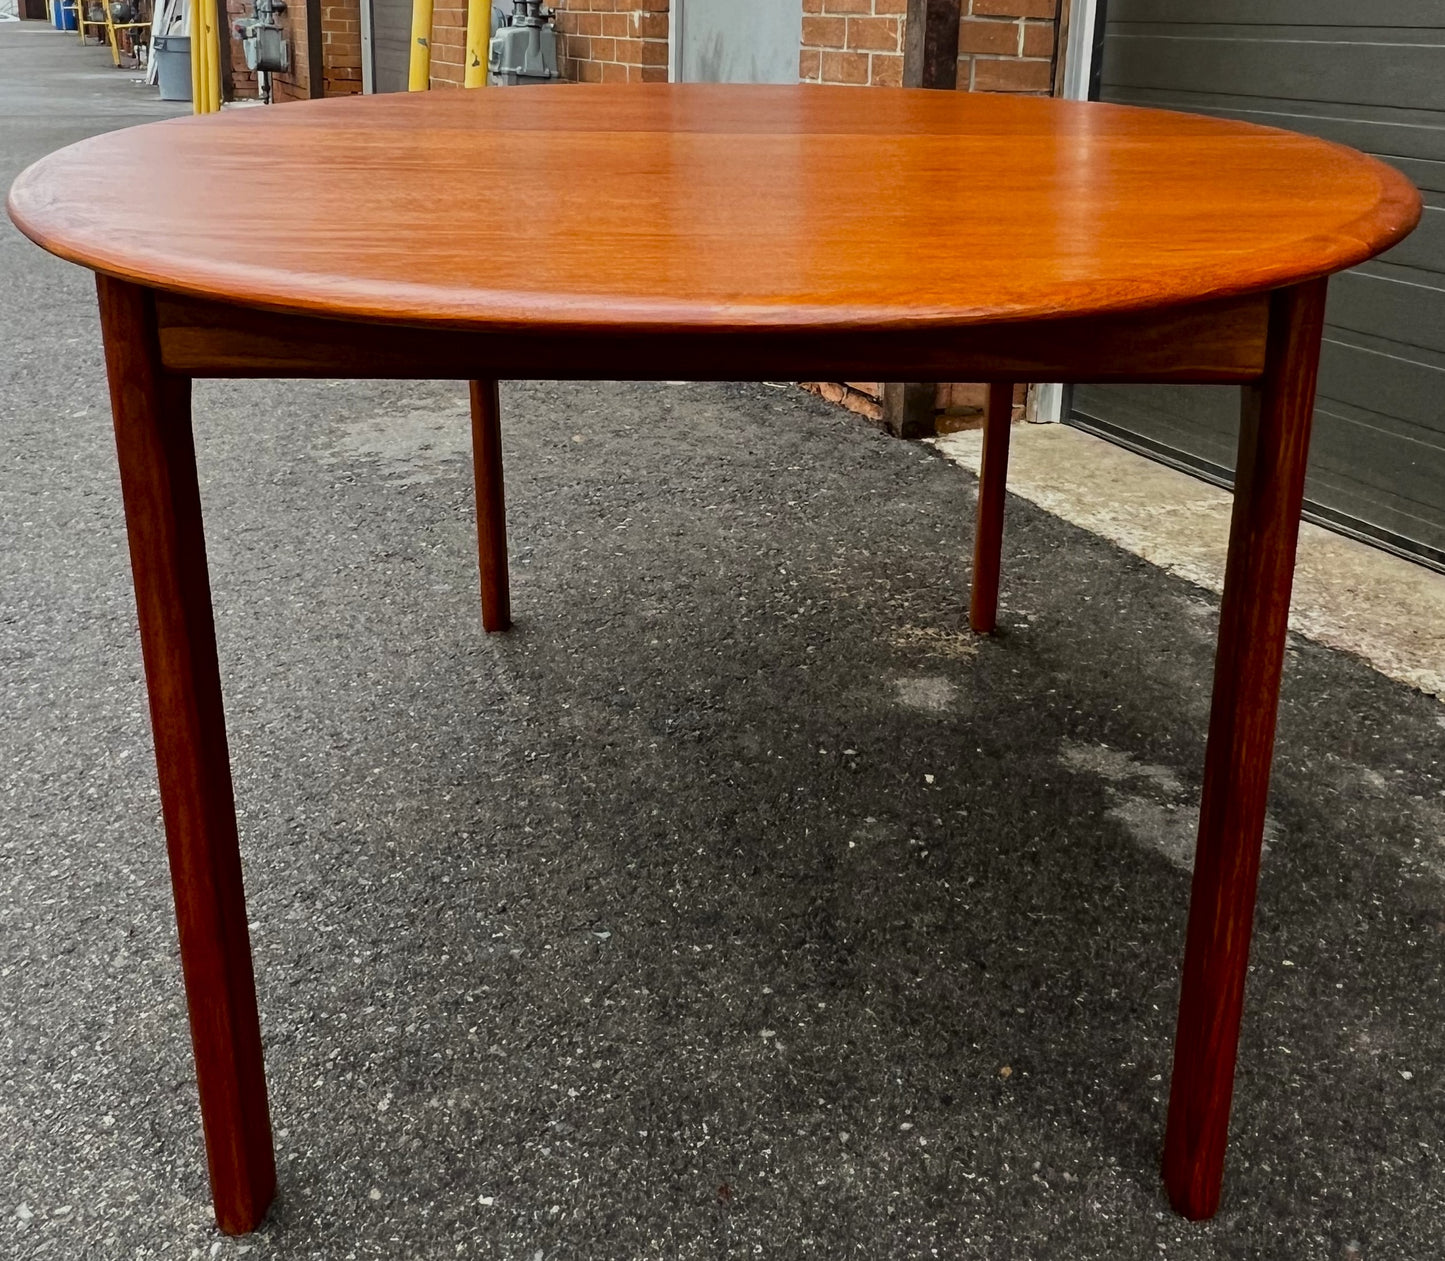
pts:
pixel 315 58
pixel 908 408
pixel 930 60
pixel 1268 492
pixel 152 413
pixel 491 506
pixel 930 44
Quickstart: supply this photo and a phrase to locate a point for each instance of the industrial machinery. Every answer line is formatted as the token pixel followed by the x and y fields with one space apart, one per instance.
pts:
pixel 524 50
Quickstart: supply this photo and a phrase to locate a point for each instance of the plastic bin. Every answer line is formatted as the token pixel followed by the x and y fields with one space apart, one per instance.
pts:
pixel 173 66
pixel 65 16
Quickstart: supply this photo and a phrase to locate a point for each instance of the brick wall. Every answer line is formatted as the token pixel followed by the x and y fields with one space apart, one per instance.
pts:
pixel 1003 45
pixel 853 42
pixel 959 405
pixel 341 46
pixel 598 41
pixel 1008 46
pixel 340 51
pixel 448 43
pixel 613 41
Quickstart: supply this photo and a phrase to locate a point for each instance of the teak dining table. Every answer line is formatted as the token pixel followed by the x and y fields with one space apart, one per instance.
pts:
pixel 707 233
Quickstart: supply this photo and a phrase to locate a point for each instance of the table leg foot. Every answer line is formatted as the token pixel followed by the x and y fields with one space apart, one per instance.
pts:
pixel 1269 488
pixel 992 479
pixel 152 414
pixel 491 506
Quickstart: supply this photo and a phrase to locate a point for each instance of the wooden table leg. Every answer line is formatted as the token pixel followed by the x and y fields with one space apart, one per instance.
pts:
pixel 992 479
pixel 1268 490
pixel 491 506
pixel 152 413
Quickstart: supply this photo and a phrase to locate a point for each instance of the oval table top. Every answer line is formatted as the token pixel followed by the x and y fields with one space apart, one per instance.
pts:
pixel 709 207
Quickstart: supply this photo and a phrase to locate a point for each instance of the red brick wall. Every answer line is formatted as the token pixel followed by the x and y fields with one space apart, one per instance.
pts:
pixel 853 42
pixel 341 46
pixel 1003 45
pixel 1008 46
pixel 613 41
pixel 340 50
pixel 598 41
pixel 448 43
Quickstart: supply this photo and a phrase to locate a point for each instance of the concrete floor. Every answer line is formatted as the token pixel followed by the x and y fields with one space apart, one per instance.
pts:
pixel 739 903
pixel 1383 608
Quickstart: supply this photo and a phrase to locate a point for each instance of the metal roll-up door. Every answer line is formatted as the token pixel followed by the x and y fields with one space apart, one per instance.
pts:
pixel 1370 75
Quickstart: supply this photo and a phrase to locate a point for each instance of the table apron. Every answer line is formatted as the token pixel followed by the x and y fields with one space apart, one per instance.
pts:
pixel 1222 340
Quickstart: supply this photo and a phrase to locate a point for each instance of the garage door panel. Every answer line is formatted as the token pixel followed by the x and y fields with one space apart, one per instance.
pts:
pixel 1385 132
pixel 1369 75
pixel 1412 314
pixel 1200 419
pixel 1351 74
pixel 1428 177
pixel 1394 494
pixel 1407 13
pixel 1396 490
pixel 1404 391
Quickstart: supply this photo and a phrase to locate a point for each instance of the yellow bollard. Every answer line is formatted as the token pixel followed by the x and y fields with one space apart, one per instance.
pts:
pixel 213 58
pixel 419 77
pixel 198 60
pixel 479 39
pixel 205 58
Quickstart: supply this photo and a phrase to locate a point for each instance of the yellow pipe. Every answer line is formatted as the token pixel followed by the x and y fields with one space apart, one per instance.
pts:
pixel 205 59
pixel 419 77
pixel 213 58
pixel 198 59
pixel 201 42
pixel 479 32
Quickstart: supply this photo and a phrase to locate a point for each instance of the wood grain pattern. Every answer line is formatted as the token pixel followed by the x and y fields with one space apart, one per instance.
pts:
pixel 152 413
pixel 1254 616
pixel 491 505
pixel 713 207
pixel 1217 341
pixel 988 534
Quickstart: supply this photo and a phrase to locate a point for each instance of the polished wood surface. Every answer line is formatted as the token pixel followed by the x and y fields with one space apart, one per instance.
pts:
pixel 152 414
pixel 1217 341
pixel 491 506
pixel 1274 438
pixel 642 207
pixel 988 532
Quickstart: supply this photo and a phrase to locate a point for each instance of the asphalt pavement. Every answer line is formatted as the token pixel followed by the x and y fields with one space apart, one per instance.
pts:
pixel 739 903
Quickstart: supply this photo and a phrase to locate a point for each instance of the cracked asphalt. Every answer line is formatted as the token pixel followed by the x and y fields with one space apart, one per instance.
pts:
pixel 739 903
